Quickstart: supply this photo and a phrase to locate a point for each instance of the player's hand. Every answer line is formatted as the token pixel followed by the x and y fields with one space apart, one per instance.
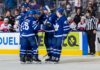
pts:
pixel 94 31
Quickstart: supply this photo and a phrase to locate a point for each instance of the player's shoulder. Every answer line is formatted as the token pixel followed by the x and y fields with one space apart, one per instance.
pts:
pixel 64 17
pixel 53 15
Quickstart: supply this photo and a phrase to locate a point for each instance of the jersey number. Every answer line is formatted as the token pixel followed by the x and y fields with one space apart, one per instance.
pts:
pixel 25 26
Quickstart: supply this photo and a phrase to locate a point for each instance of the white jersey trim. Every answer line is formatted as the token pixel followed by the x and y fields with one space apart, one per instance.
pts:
pixel 49 31
pixel 28 35
pixel 58 35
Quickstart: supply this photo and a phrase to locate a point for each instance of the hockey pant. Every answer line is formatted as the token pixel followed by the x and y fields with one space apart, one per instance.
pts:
pixel 29 46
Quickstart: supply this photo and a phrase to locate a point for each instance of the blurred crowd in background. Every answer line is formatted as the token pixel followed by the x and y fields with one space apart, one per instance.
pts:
pixel 76 12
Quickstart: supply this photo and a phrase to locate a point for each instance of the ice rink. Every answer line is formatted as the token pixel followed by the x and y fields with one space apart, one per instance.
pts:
pixel 11 62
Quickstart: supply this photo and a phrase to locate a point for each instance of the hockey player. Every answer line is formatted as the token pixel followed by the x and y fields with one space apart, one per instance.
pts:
pixel 23 13
pixel 49 30
pixel 61 29
pixel 28 50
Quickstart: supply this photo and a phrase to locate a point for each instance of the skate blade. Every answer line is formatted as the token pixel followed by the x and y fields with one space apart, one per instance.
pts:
pixel 51 62
pixel 54 62
pixel 22 62
pixel 35 62
pixel 29 62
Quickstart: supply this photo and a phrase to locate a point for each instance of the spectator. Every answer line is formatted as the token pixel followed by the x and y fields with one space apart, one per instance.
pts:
pixel 5 27
pixel 10 17
pixel 68 9
pixel 26 3
pixel 34 5
pixel 1 8
pixel 77 17
pixel 82 25
pixel 71 23
pixel 10 4
pixel 1 20
pixel 98 27
pixel 16 13
pixel 90 4
pixel 50 3
pixel 40 3
pixel 77 5
pixel 16 26
pixel 93 7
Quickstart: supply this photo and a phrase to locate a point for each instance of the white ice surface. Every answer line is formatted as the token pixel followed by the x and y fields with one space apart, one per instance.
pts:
pixel 11 62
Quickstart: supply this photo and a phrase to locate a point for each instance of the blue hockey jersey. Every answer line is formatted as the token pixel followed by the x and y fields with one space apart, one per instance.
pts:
pixel 23 15
pixel 42 19
pixel 28 27
pixel 61 27
pixel 49 22
pixel 66 27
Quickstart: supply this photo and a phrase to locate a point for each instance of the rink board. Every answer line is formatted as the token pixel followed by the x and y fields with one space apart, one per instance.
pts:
pixel 74 44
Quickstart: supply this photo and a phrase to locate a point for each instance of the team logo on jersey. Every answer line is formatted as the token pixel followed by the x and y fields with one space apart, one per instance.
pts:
pixel 56 27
